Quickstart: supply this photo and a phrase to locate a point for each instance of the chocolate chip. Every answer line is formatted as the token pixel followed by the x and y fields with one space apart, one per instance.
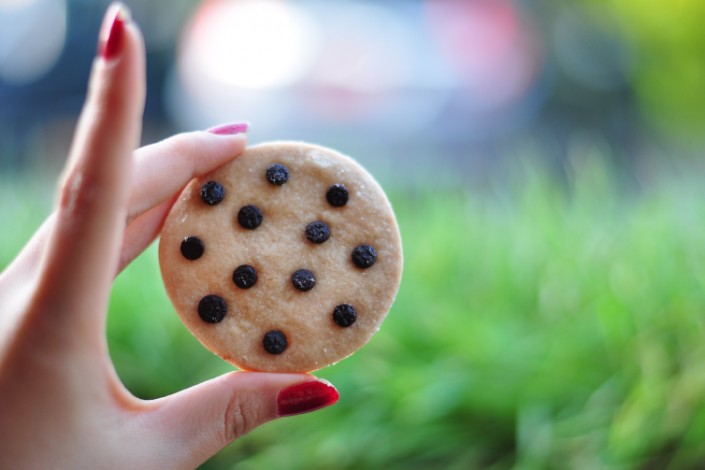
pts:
pixel 245 276
pixel 303 280
pixel 344 315
pixel 364 256
pixel 277 174
pixel 337 195
pixel 212 193
pixel 317 231
pixel 212 309
pixel 250 217
pixel 275 342
pixel 192 248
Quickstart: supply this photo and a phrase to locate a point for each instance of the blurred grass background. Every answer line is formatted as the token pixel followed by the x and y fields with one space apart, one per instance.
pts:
pixel 545 163
pixel 544 321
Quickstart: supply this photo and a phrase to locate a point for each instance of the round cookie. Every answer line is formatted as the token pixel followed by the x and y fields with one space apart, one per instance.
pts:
pixel 286 259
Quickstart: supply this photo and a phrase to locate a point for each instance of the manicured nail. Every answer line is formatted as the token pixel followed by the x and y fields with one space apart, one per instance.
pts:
pixel 229 129
pixel 306 396
pixel 112 33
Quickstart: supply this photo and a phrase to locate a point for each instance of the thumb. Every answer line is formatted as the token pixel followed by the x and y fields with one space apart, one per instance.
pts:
pixel 196 423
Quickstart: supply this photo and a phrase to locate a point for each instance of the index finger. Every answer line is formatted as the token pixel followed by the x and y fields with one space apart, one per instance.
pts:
pixel 164 168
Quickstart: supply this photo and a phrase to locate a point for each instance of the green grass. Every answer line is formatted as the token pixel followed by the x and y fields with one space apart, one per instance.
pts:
pixel 539 325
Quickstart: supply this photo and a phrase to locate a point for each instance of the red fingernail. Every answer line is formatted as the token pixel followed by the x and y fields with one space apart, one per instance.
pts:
pixel 112 32
pixel 305 397
pixel 229 129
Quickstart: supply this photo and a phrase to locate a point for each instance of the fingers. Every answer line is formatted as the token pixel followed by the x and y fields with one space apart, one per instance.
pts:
pixel 182 157
pixel 165 167
pixel 142 231
pixel 83 247
pixel 194 424
pixel 161 171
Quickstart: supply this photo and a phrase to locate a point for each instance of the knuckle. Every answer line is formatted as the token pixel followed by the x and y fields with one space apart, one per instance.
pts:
pixel 239 419
pixel 75 193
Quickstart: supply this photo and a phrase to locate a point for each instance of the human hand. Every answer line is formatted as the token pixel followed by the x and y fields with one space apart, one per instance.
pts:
pixel 62 404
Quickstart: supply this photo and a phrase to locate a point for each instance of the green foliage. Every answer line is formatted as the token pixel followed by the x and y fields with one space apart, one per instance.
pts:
pixel 670 65
pixel 539 325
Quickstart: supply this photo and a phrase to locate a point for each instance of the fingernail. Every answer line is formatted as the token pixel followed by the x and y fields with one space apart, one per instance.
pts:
pixel 112 33
pixel 229 129
pixel 306 396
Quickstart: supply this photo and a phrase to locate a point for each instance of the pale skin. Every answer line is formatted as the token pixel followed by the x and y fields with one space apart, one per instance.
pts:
pixel 62 404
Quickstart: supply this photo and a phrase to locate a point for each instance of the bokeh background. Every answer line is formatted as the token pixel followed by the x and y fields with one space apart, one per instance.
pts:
pixel 544 159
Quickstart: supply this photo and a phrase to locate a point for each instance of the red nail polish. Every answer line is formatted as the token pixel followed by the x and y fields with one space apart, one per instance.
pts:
pixel 229 129
pixel 112 32
pixel 305 397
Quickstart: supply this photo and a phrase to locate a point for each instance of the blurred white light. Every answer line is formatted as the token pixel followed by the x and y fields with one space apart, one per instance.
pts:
pixel 14 4
pixel 250 43
pixel 350 63
pixel 32 36
pixel 368 49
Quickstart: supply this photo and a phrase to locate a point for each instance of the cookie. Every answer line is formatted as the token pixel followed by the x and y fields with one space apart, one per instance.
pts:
pixel 286 259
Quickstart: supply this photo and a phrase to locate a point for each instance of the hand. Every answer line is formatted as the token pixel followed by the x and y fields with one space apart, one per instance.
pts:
pixel 61 402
